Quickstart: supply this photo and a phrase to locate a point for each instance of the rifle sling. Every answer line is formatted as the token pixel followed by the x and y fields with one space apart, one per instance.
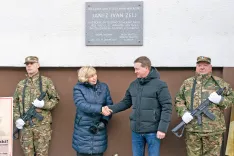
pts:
pixel 216 82
pixel 24 89
pixel 193 90
pixel 192 94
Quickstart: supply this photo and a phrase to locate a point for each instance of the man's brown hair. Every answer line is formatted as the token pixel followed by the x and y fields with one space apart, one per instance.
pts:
pixel 145 61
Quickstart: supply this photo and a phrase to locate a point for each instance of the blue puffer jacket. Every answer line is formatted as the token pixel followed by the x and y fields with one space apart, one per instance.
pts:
pixel 89 101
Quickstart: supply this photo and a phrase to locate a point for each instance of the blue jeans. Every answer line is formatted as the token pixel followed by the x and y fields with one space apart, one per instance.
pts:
pixel 139 141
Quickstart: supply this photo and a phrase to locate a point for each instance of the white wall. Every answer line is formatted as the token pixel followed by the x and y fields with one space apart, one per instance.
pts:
pixel 175 33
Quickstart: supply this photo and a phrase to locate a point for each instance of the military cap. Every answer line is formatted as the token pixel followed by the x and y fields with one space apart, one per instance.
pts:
pixel 203 59
pixel 32 59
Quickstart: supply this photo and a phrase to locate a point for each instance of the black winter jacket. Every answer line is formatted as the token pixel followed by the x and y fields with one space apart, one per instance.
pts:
pixel 151 101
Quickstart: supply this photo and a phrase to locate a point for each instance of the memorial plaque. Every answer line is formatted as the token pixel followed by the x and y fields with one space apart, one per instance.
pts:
pixel 114 23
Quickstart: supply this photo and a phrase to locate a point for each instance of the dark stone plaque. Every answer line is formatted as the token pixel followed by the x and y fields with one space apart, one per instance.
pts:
pixel 114 23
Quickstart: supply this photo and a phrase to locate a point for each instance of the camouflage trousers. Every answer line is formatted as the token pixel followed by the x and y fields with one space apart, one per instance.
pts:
pixel 203 145
pixel 35 140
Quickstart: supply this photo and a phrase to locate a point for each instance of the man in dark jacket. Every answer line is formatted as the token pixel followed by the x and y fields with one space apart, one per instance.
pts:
pixel 151 111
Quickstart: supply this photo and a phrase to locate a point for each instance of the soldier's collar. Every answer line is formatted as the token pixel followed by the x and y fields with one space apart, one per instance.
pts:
pixel 203 76
pixel 34 77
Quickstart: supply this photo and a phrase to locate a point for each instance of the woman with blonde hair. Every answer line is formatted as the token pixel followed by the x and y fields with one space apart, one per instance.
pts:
pixel 90 95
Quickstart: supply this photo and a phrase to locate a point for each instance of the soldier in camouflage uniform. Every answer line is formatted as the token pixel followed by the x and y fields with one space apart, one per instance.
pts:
pixel 204 140
pixel 34 139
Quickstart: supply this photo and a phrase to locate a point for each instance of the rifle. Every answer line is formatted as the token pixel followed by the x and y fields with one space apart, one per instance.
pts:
pixel 201 109
pixel 30 114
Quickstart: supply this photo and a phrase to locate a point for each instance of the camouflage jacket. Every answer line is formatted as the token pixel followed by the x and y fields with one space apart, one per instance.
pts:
pixel 32 92
pixel 205 85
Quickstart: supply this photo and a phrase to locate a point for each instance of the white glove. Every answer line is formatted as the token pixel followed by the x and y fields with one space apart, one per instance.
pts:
pixel 19 123
pixel 38 104
pixel 215 98
pixel 187 117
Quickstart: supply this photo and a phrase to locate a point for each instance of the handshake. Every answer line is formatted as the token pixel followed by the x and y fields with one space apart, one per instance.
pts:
pixel 106 111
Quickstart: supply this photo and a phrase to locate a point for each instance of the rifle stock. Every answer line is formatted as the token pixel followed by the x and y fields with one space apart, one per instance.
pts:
pixel 180 126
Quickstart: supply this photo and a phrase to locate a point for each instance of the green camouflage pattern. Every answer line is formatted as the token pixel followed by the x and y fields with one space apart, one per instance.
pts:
pixel 31 93
pixel 32 59
pixel 35 139
pixel 202 144
pixel 38 136
pixel 204 87
pixel 203 59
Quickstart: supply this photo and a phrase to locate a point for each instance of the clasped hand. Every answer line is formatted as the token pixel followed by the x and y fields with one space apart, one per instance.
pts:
pixel 39 104
pixel 19 123
pixel 106 111
pixel 215 98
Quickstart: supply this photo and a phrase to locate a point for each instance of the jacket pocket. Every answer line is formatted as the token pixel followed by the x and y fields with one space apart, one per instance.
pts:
pixel 148 116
